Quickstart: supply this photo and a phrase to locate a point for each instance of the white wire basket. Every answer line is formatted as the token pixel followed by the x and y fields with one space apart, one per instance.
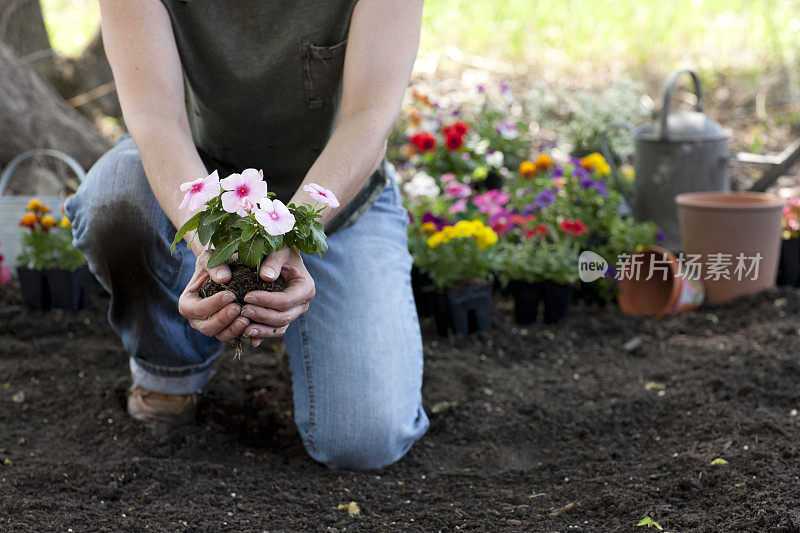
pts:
pixel 12 207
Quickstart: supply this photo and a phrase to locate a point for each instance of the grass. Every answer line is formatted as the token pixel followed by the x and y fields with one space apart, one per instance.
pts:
pixel 569 36
pixel 712 34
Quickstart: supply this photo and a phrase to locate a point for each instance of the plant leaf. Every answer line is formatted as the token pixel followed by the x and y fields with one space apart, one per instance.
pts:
pixel 215 217
pixel 250 253
pixel 320 240
pixel 220 255
pixel 276 242
pixel 248 233
pixel 205 232
pixel 189 225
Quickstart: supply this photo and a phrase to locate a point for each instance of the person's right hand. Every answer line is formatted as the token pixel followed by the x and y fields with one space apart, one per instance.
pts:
pixel 215 316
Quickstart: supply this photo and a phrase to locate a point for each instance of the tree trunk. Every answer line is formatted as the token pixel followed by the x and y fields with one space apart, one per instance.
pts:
pixel 32 115
pixel 87 81
pixel 22 28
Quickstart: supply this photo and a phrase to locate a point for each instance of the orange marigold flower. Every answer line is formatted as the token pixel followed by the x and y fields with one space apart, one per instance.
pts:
pixel 47 222
pixel 527 169
pixel 544 162
pixel 29 220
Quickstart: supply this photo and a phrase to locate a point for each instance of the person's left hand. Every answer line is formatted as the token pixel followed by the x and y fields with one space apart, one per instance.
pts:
pixel 272 312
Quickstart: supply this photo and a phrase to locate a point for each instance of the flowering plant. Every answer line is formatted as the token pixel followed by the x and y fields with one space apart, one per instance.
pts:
pixel 539 259
pixel 241 216
pixel 579 200
pixel 47 244
pixel 453 254
pixel 791 218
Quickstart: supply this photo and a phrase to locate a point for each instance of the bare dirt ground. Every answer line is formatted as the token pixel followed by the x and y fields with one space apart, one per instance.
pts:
pixel 609 417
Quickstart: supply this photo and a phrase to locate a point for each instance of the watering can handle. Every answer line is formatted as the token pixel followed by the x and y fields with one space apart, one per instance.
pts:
pixel 669 89
pixel 609 156
pixel 5 176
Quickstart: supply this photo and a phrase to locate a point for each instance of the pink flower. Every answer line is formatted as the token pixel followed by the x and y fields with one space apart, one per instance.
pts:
pixel 459 206
pixel 247 204
pixel 491 201
pixel 321 194
pixel 199 191
pixel 5 274
pixel 274 216
pixel 455 189
pixel 447 178
pixel 249 184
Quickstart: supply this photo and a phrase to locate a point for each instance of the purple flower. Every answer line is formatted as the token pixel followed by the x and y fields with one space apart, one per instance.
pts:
pixel 439 222
pixel 544 199
pixel 507 130
pixel 611 272
pixel 558 172
pixel 456 112
pixel 576 161
pixel 580 173
pixel 529 210
pixel 660 237
pixel 481 88
pixel 589 183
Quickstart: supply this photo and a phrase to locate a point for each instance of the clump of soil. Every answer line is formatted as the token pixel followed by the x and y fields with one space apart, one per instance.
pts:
pixel 243 280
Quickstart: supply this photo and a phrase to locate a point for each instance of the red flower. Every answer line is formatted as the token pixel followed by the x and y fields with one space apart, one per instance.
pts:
pixel 454 142
pixel 574 227
pixel 459 128
pixel 540 230
pixel 424 141
pixel 520 220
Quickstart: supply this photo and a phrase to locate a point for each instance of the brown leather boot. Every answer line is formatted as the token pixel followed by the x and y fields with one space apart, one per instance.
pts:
pixel 148 406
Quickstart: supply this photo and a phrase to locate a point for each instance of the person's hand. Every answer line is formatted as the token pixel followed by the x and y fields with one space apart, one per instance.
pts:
pixel 215 316
pixel 272 312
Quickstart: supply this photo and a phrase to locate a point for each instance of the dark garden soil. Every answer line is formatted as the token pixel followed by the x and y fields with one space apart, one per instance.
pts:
pixel 623 416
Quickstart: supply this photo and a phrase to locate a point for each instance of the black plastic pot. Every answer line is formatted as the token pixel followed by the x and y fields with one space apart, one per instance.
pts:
pixel 557 299
pixel 35 292
pixel 526 301
pixel 789 265
pixel 465 310
pixel 424 292
pixel 70 290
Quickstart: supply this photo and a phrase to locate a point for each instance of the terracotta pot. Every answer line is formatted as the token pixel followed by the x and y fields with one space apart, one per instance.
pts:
pixel 739 225
pixel 667 291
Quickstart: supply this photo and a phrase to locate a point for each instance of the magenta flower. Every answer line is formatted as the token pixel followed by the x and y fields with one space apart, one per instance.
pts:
pixel 321 194
pixel 5 274
pixel 448 177
pixel 274 216
pixel 455 189
pixel 199 191
pixel 249 184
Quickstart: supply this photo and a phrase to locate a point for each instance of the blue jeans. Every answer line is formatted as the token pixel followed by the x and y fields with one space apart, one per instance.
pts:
pixel 355 355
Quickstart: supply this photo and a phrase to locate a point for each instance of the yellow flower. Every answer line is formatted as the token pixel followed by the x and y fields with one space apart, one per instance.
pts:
pixel 527 169
pixel 543 162
pixel 47 221
pixel 596 162
pixel 628 172
pixel 36 205
pixel 436 239
pixel 65 223
pixel 485 238
pixel 480 173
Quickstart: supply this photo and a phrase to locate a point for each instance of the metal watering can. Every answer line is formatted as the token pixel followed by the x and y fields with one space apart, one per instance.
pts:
pixel 685 151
